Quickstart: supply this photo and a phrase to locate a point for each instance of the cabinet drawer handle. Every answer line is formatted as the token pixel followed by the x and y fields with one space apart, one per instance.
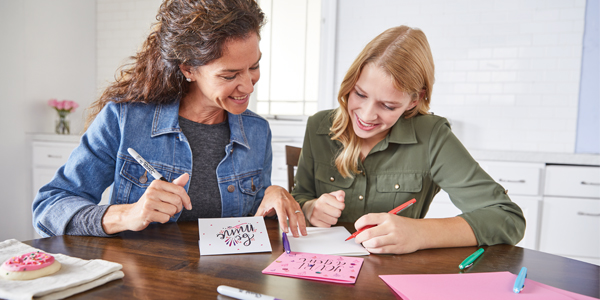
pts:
pixel 587 214
pixel 54 156
pixel 512 181
pixel 589 183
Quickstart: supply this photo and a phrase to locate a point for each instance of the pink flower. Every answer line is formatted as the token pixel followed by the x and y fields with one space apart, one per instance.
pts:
pixel 71 105
pixel 52 102
pixel 64 105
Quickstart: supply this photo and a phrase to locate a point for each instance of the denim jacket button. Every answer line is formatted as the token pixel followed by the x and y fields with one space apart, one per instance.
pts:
pixel 144 178
pixel 231 188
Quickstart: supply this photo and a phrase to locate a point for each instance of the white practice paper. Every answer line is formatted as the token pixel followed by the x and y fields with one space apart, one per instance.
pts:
pixel 330 241
pixel 233 236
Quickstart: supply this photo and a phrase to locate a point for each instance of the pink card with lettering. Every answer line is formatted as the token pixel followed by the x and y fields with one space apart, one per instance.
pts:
pixel 233 236
pixel 333 268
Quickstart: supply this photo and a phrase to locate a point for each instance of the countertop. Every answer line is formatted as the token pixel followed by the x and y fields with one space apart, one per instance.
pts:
pixel 538 157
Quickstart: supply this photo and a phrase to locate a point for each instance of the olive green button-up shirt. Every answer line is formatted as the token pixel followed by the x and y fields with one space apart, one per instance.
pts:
pixel 419 156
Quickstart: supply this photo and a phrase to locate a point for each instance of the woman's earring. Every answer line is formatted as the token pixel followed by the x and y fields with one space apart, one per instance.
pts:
pixel 188 79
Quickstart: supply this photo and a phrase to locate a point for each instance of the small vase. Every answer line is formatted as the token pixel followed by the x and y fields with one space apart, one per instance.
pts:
pixel 63 125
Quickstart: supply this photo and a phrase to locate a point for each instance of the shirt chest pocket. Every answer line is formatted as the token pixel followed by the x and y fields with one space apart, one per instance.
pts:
pixel 395 189
pixel 330 180
pixel 135 180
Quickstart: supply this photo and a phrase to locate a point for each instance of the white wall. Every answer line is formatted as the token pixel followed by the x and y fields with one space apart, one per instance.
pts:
pixel 507 71
pixel 48 50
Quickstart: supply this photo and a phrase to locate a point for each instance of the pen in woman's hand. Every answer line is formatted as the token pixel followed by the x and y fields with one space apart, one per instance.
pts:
pixel 146 165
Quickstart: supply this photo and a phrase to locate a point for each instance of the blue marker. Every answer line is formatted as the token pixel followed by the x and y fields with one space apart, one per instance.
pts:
pixel 520 282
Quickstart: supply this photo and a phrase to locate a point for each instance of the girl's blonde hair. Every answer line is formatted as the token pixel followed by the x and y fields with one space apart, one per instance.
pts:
pixel 404 53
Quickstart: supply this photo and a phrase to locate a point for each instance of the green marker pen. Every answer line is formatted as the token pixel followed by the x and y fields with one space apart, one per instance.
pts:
pixel 470 259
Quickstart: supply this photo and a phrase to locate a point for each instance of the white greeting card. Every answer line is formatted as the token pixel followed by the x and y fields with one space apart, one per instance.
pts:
pixel 328 241
pixel 233 235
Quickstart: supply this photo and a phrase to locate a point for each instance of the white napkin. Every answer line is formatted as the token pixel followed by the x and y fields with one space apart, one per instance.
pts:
pixel 75 275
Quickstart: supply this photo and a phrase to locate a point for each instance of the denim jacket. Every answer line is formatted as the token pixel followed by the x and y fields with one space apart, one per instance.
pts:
pixel 101 160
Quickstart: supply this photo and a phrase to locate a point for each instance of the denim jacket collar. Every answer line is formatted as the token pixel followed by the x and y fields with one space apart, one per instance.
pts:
pixel 166 120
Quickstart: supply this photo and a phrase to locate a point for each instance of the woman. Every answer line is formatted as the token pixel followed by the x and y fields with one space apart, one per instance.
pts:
pixel 381 148
pixel 182 105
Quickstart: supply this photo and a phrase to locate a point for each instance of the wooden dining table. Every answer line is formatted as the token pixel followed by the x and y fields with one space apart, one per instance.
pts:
pixel 163 262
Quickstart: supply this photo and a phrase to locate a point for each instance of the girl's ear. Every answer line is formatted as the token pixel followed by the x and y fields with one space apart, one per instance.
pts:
pixel 422 94
pixel 413 104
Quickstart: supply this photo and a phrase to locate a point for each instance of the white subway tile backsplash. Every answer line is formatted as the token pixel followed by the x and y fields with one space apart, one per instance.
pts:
pixel 465 88
pixel 545 40
pixel 466 65
pixel 479 53
pixel 493 65
pixel 479 76
pixel 546 15
pixel 489 88
pixel 506 52
pixel 502 100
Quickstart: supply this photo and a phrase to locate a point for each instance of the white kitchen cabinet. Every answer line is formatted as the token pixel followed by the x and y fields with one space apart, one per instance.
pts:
pixel 571 212
pixel 48 156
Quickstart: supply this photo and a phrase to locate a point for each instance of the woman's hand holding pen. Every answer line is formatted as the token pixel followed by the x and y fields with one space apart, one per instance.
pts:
pixel 326 209
pixel 161 201
pixel 278 201
pixel 392 233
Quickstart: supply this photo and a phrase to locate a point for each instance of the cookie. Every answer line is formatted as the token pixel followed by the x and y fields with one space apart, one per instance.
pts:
pixel 29 266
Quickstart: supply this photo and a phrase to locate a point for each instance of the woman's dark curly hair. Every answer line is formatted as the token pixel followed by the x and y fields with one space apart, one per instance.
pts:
pixel 189 32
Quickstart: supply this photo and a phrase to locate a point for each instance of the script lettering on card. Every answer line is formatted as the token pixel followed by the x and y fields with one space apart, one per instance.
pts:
pixel 240 234
pixel 327 265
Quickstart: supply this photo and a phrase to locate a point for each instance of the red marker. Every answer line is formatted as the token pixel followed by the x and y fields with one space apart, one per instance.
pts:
pixel 393 211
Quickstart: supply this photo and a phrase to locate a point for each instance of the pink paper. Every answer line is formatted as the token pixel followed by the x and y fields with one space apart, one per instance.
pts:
pixel 489 286
pixel 333 268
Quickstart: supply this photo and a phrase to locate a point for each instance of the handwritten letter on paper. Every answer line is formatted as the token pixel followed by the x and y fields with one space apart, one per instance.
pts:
pixel 233 235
